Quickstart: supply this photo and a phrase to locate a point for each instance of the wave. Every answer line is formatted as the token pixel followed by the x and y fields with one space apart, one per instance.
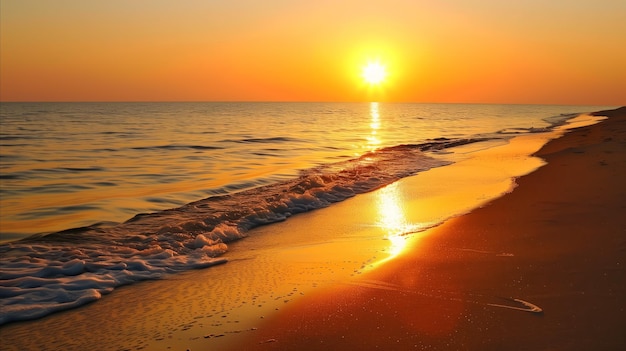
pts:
pixel 271 140
pixel 43 274
pixel 177 147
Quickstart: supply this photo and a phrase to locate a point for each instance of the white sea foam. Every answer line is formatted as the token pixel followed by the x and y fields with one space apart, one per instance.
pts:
pixel 53 276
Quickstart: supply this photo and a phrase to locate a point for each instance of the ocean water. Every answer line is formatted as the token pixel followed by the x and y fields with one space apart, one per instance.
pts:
pixel 99 195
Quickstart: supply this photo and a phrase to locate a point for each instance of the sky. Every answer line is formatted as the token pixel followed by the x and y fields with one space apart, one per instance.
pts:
pixel 466 51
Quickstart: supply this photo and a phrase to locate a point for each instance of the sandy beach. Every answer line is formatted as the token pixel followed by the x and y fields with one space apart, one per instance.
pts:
pixel 312 175
pixel 542 268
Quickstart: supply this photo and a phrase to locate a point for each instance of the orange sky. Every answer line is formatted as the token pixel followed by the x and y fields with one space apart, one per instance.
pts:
pixel 493 51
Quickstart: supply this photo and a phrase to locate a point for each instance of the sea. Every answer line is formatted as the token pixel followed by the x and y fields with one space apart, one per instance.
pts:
pixel 94 196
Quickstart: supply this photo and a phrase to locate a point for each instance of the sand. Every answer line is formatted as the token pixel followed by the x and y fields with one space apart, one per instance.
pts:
pixel 557 242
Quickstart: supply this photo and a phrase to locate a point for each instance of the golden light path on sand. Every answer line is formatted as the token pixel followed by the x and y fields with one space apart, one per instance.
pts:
pixel 393 219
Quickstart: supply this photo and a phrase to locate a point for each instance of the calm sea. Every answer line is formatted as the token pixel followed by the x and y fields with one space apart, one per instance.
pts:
pixel 119 192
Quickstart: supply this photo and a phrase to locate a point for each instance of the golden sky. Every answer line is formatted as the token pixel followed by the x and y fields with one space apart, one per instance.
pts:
pixel 487 51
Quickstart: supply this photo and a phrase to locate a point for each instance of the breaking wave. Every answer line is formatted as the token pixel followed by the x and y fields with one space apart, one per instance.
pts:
pixel 43 274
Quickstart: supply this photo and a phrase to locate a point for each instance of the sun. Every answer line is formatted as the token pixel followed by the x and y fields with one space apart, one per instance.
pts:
pixel 374 73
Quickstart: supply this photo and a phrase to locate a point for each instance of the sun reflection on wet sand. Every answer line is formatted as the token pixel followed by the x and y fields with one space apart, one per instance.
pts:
pixel 392 218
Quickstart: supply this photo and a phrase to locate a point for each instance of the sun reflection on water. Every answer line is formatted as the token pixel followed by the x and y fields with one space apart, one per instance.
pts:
pixel 392 217
pixel 373 142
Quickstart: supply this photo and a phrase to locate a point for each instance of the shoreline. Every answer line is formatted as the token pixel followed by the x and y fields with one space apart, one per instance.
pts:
pixel 557 241
pixel 205 309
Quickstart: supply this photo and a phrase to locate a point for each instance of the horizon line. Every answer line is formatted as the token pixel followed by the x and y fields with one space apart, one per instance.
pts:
pixel 305 101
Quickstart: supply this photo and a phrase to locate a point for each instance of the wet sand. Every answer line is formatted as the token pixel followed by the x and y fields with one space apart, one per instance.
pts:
pixel 541 268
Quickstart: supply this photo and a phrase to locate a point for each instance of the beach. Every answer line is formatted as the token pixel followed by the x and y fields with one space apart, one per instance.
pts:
pixel 311 175
pixel 557 242
pixel 540 268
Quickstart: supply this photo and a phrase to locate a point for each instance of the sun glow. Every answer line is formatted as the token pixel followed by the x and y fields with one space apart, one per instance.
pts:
pixel 374 73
